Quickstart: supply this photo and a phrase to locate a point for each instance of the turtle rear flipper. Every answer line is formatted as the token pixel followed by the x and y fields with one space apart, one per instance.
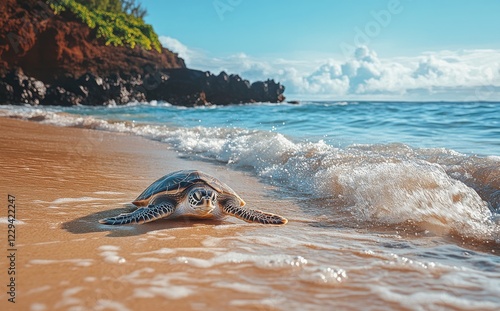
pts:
pixel 250 215
pixel 160 207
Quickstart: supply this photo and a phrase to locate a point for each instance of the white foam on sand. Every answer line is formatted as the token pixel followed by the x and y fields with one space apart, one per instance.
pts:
pixel 430 300
pixel 242 287
pixel 170 292
pixel 325 276
pixel 110 254
pixel 148 284
pixel 108 193
pixel 272 303
pixel 105 304
pixel 72 200
pixel 58 203
pixel 6 220
pixel 261 261
pixel 38 307
pixel 161 251
pixel 77 262
pixel 38 290
pixel 68 299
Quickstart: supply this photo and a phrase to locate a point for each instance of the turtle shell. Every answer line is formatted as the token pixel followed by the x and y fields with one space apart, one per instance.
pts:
pixel 175 183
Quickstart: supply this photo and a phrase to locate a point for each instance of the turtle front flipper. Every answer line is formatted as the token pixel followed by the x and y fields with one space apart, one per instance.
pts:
pixel 160 207
pixel 232 208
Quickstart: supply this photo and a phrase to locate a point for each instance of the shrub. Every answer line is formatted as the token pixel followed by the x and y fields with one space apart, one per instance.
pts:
pixel 114 27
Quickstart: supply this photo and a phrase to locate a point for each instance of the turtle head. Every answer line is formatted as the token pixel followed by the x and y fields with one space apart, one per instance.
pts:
pixel 202 200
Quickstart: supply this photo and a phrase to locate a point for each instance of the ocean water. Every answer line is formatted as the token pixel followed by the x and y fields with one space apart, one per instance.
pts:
pixel 399 201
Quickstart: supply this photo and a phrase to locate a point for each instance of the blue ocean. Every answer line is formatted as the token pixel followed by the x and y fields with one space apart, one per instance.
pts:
pixel 468 128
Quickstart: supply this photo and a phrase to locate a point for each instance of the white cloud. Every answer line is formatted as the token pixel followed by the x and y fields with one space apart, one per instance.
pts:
pixel 177 47
pixel 443 75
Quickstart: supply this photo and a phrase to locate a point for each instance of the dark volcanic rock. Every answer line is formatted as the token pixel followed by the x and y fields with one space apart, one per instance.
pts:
pixel 21 89
pixel 262 91
pixel 57 95
pixel 183 87
pixel 192 87
pixel 6 93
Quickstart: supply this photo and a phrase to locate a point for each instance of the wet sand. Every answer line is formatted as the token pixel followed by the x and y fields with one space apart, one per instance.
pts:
pixel 64 180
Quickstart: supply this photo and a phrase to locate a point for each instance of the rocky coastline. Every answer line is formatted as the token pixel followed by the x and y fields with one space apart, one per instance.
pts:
pixel 54 59
pixel 177 86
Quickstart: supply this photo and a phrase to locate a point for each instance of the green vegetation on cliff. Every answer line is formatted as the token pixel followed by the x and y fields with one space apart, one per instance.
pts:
pixel 117 22
pixel 116 6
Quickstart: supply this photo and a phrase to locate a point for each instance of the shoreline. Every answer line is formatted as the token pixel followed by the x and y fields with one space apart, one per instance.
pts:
pixel 65 179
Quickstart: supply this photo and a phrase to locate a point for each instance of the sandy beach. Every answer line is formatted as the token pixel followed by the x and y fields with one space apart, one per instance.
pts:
pixel 64 180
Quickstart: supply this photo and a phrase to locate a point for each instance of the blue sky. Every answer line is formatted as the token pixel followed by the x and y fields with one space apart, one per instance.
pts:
pixel 293 41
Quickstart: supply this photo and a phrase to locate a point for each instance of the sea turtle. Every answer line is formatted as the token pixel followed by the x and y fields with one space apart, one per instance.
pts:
pixel 190 193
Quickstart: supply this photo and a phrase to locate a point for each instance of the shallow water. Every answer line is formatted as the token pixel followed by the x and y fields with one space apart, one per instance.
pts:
pixel 471 128
pixel 371 226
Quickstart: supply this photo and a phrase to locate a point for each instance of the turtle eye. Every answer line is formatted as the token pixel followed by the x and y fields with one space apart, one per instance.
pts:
pixel 197 195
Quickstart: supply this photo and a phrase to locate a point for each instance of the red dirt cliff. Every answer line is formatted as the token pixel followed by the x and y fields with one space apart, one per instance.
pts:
pixel 49 46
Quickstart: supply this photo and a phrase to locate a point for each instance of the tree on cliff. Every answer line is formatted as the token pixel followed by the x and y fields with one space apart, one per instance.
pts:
pixel 102 5
pixel 130 7
pixel 117 22
pixel 116 6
